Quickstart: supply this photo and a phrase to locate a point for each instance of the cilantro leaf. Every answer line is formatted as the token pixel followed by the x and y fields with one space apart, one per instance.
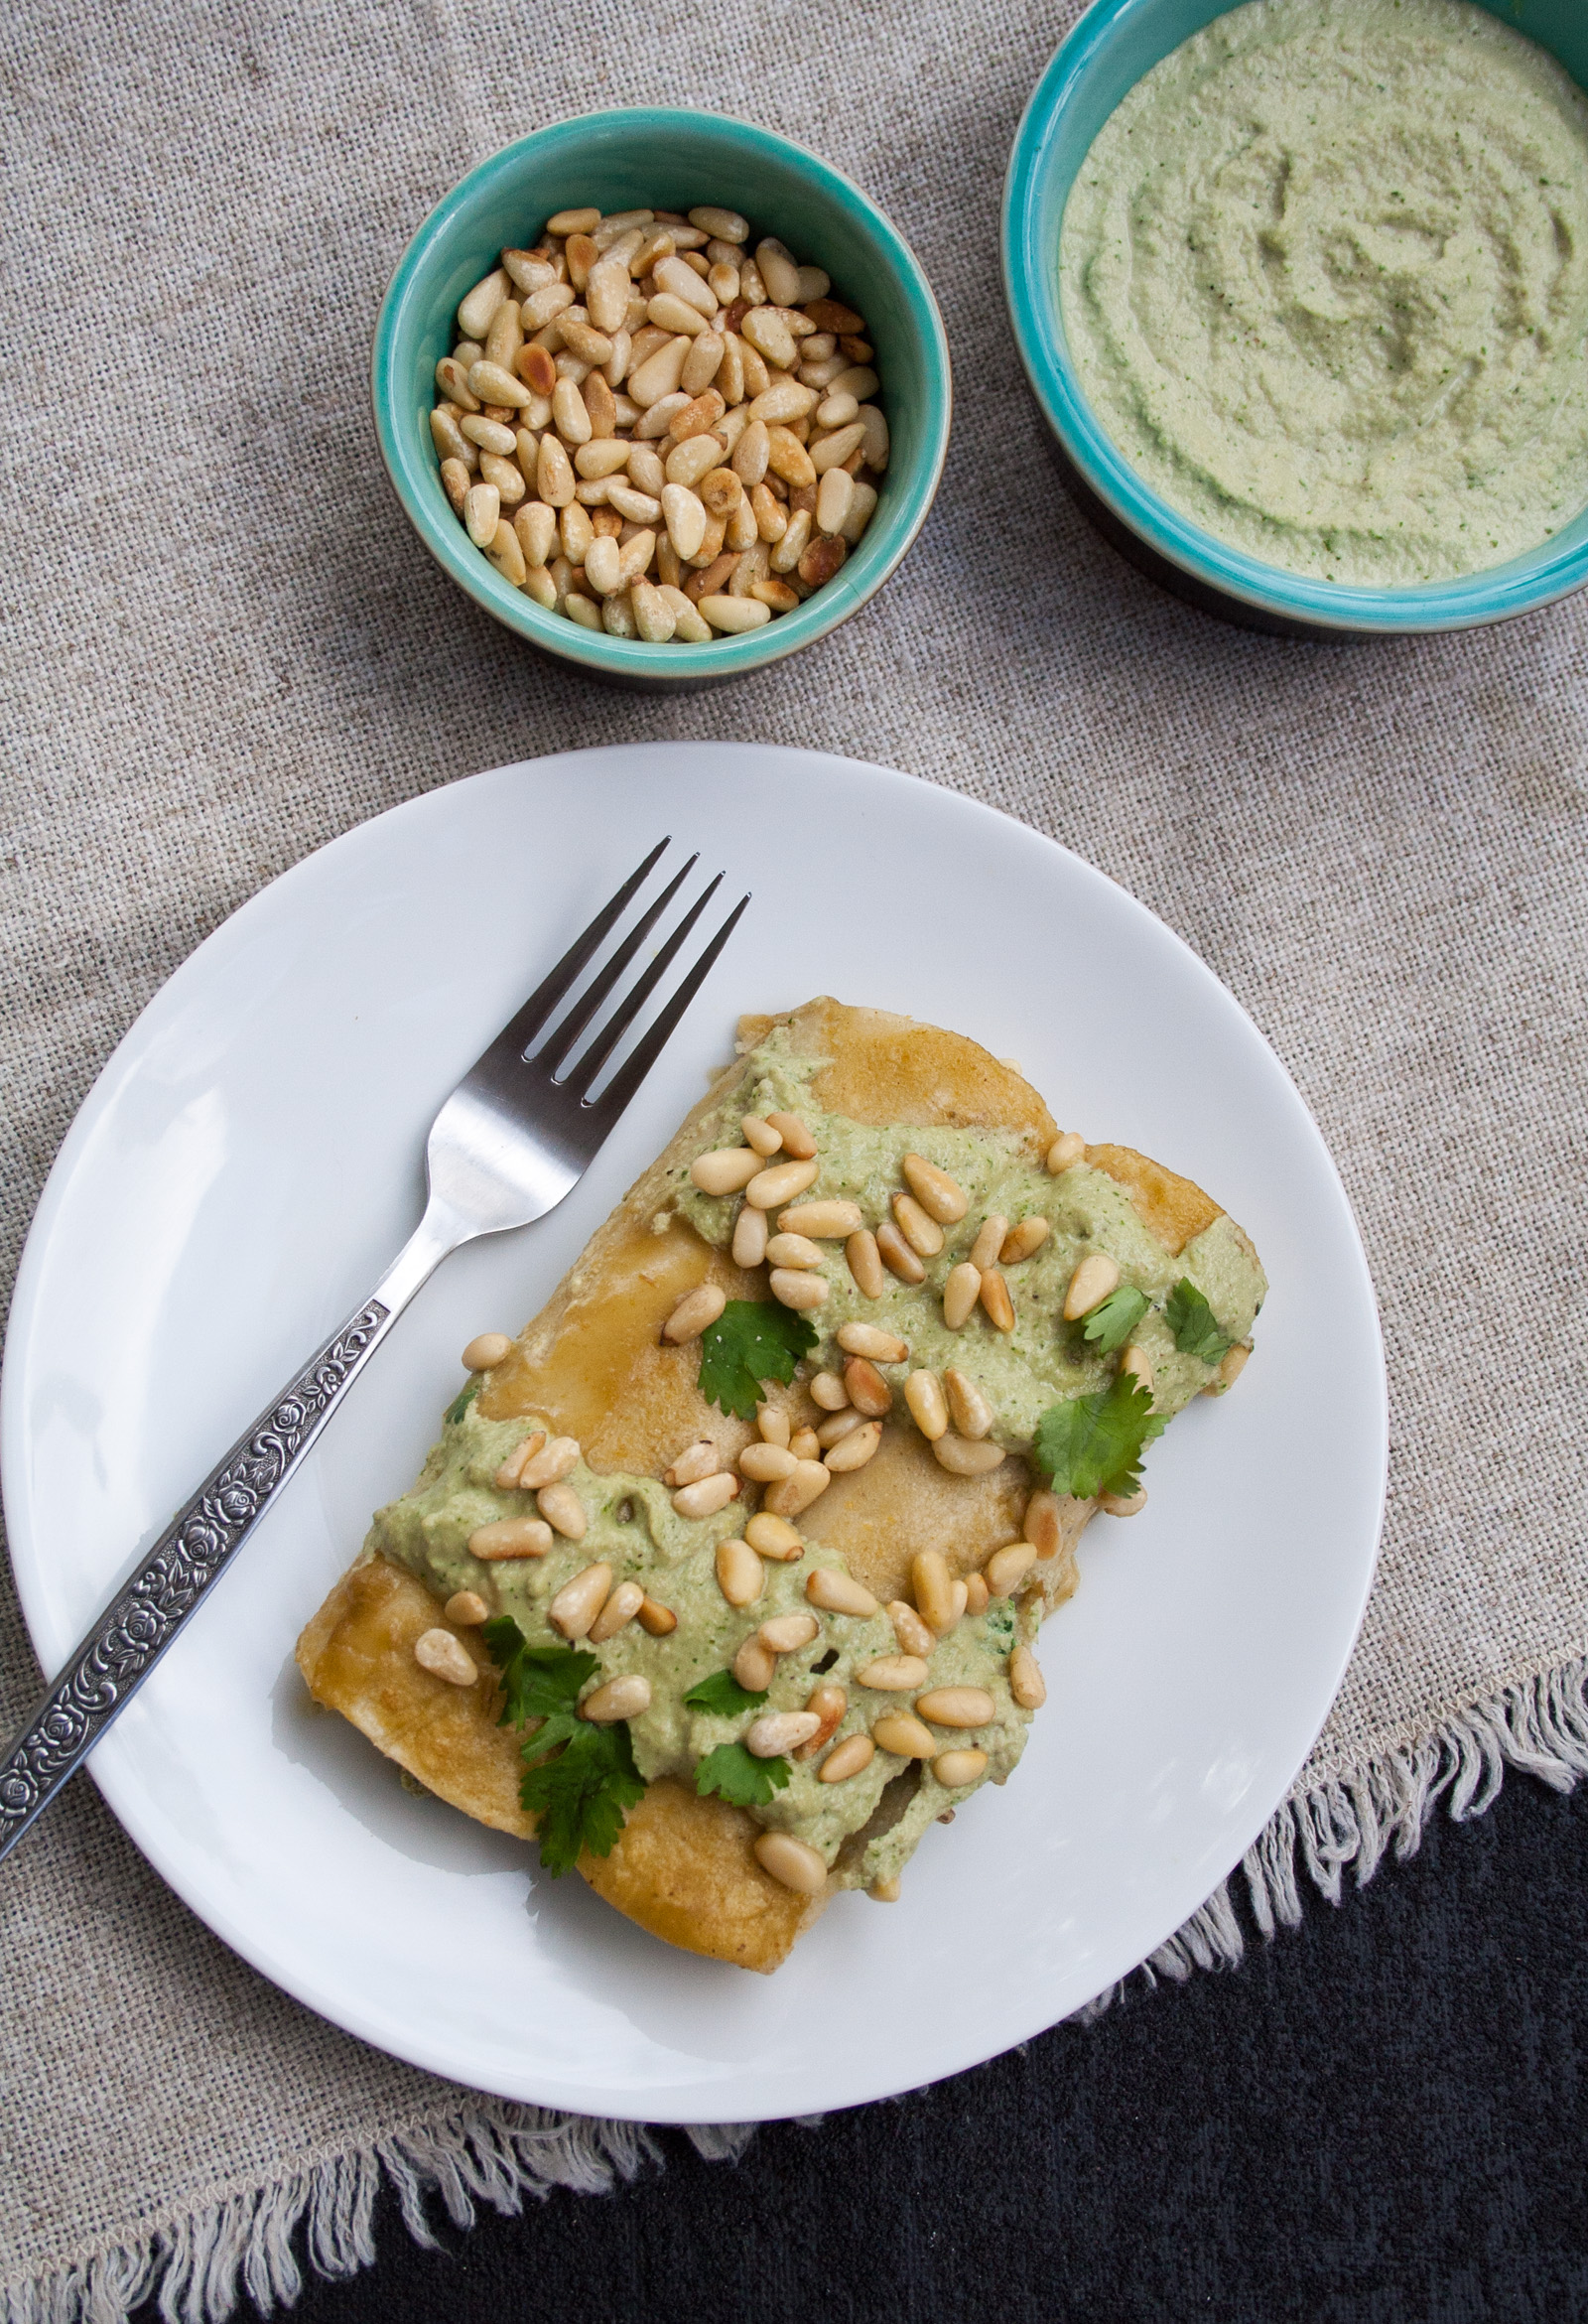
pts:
pixel 723 1693
pixel 737 1776
pixel 1194 1324
pixel 1112 1322
pixel 578 1797
pixel 461 1402
pixel 1092 1445
pixel 751 1341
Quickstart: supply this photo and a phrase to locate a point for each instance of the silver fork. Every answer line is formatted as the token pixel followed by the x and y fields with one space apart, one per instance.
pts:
pixel 516 1134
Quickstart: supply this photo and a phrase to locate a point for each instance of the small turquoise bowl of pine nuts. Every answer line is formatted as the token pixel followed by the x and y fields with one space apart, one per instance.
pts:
pixel 666 395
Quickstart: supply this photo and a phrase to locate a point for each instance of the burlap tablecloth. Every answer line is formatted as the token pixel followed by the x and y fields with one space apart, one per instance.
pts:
pixel 223 646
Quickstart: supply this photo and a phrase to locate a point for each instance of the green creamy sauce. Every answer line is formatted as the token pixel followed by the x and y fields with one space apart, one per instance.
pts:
pixel 633 1527
pixel 1324 277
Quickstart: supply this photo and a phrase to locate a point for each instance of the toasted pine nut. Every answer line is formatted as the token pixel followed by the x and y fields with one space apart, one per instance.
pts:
pixel 497 389
pixel 1123 1504
pixel 697 1460
pixel 989 1241
pixel 792 1494
pixel 773 1536
pixel 998 1300
pixel 856 1448
pixel 659 1620
pixel 964 1457
pixel 824 1222
pixel 764 1464
pixel 689 625
pixel 578 1601
pixel 865 1263
pixel 923 1393
pixel 896 1255
pixel 797 1287
pixel 770 1189
pixel 892 1674
pixel 506 1478
pixel 955 1769
pixel 828 1390
pixel 862 507
pixel 793 1251
pixel 603 566
pixel 1027 1682
pixel 919 1229
pixel 781 1731
pixel 773 1425
pixel 693 1312
pixel 1007 1568
pixel 1094 1279
pixel 482 510
pixel 1137 1361
pixel 510 1537
pixel 754 1666
pixel 1042 1525
pixel 864 1340
pixel 466 1609
pixel 490 435
pixel 839 1593
pixel 884 1891
pixel 797 1140
pixel 621 1698
pixel 805 1444
pixel 619 1609
pixel 740 1574
pixel 937 1193
pixel 846 1759
pixel 732 616
pixel 787 1633
pixel 750 1237
pixel 685 517
pixel 791 1861
pixel 976 1593
pixel 455 484
pixel 654 619
pixel 905 1736
pixel 724 1169
pixel 444 1657
pixel 972 1415
pixel 933 1584
pixel 487 1351
pixel 708 1496
pixel 838 1425
pixel 868 1390
pixel 1022 1240
pixel 574 222
pixel 563 1509
pixel 1229 1371
pixel 548 1465
pixel 759 1133
pixel 911 1633
pixel 1065 1151
pixel 959 1294
pixel 961 1706
pixel 477 309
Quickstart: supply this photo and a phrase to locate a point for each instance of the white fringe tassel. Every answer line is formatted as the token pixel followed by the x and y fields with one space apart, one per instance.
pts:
pixel 491 2151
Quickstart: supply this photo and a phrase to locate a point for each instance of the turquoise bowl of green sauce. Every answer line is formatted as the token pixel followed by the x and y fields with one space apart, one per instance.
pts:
pixel 649 156
pixel 1114 45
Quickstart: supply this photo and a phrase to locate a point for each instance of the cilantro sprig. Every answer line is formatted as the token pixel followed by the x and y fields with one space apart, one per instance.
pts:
pixel 461 1402
pixel 1194 1324
pixel 1113 1320
pixel 751 1341
pixel 578 1795
pixel 722 1694
pixel 1092 1445
pixel 737 1776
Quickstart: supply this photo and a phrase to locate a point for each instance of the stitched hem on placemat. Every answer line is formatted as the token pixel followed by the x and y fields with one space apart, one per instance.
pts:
pixel 256 2243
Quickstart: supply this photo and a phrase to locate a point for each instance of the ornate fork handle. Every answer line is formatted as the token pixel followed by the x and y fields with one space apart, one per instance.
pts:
pixel 192 1553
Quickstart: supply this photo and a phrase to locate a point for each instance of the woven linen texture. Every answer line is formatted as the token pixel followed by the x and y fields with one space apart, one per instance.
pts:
pixel 223 646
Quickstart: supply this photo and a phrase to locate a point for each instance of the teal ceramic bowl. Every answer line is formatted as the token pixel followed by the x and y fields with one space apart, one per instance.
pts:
pixel 661 160
pixel 1112 47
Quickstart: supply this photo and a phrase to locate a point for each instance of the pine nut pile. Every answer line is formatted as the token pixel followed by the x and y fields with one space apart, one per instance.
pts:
pixel 655 433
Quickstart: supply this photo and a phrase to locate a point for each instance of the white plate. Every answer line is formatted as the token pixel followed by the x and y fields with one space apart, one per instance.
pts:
pixel 251 1156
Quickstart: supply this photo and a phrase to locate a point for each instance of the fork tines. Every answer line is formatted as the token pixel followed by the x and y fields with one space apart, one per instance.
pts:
pixel 542 1030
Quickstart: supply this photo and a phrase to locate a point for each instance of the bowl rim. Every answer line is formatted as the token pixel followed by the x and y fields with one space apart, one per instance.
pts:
pixel 632 658
pixel 1497 593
